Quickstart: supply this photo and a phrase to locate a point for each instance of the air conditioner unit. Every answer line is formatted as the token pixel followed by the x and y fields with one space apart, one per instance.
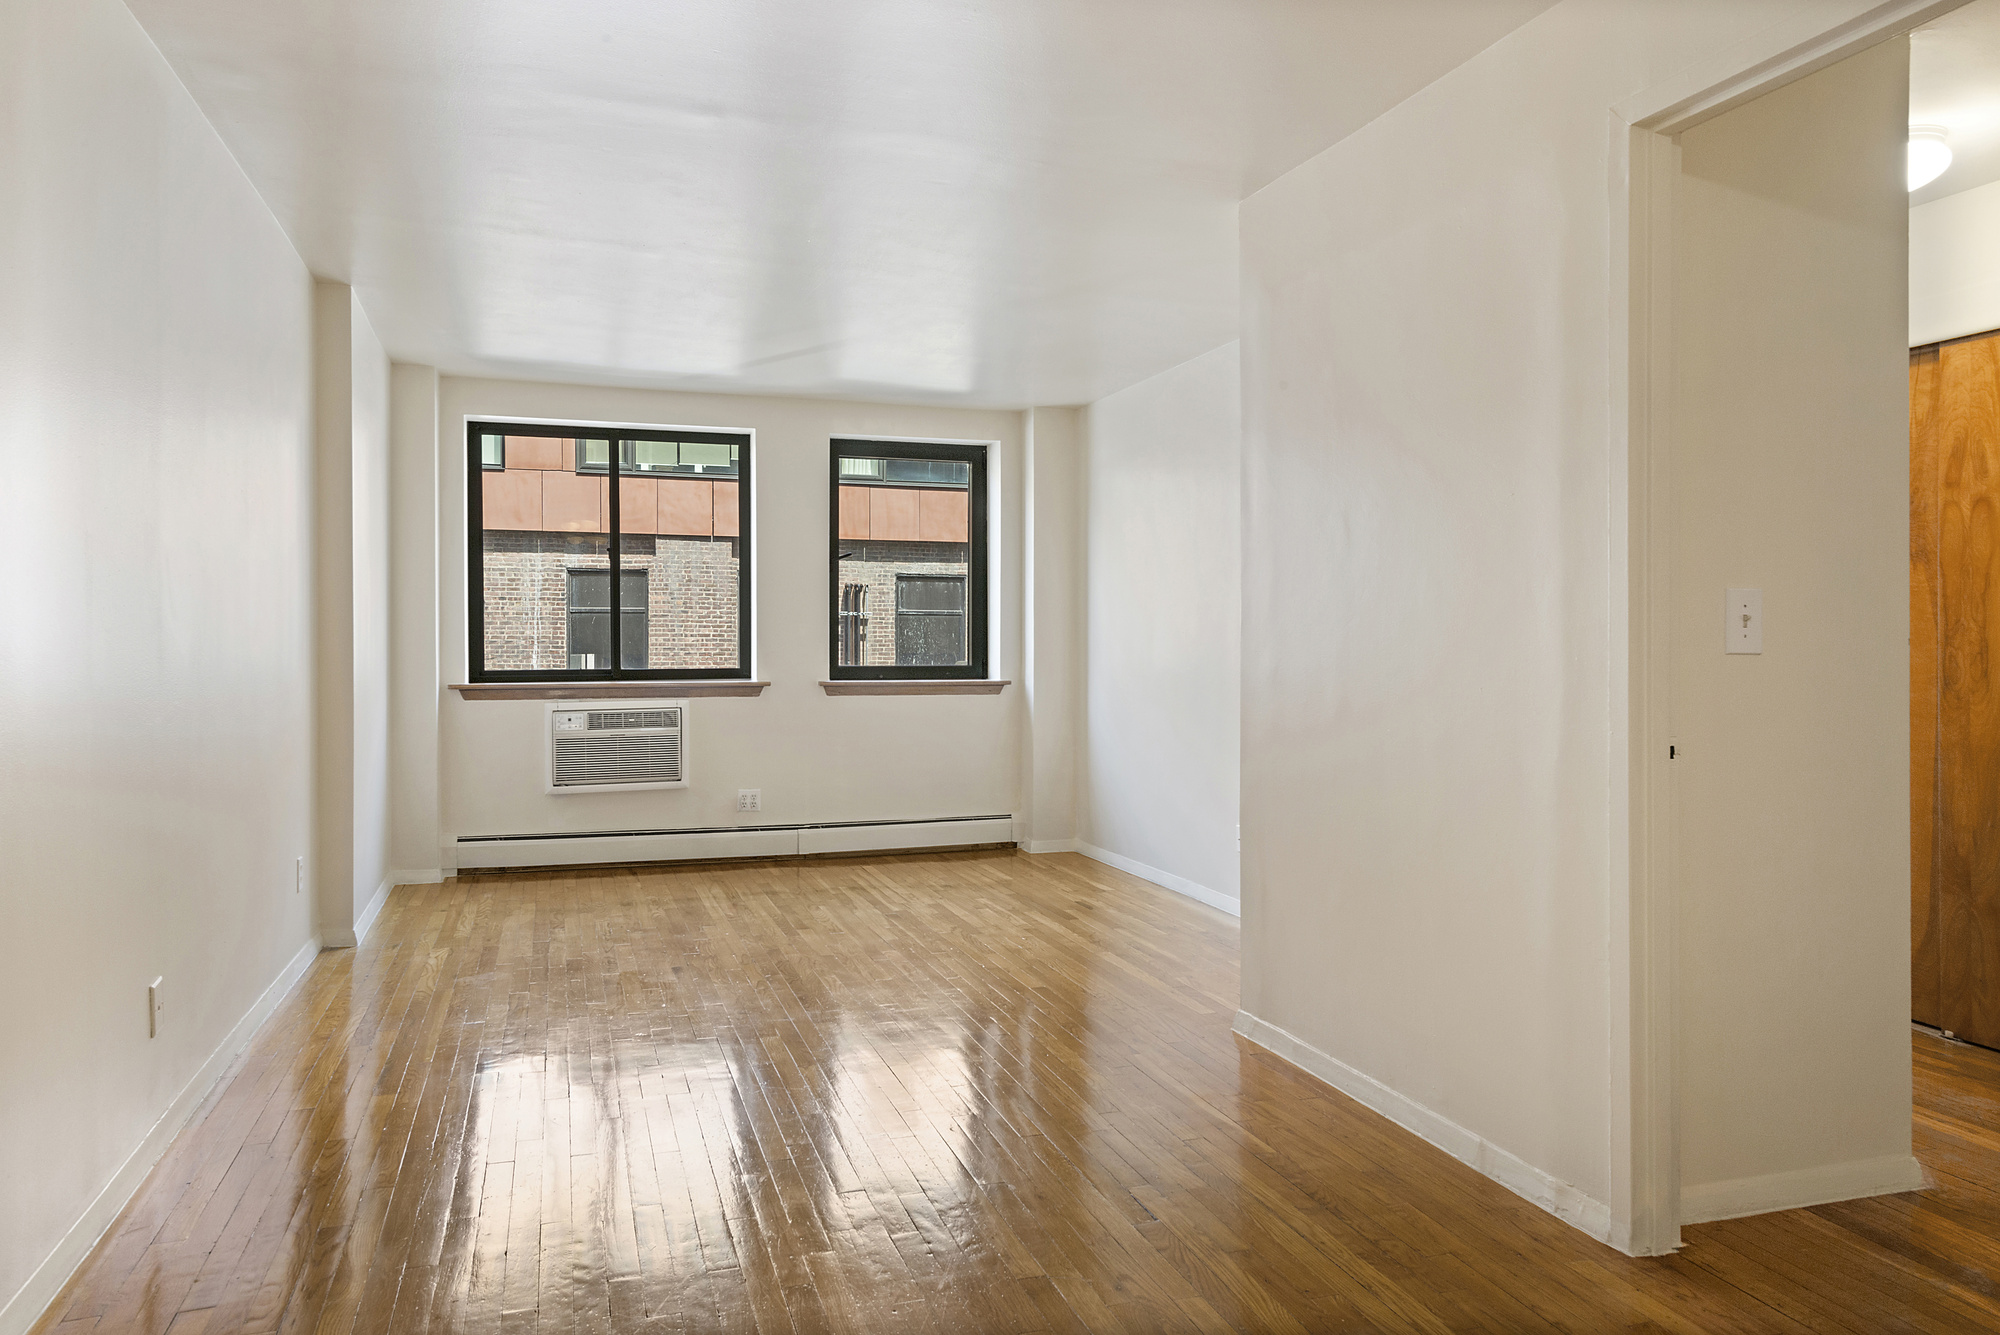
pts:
pixel 620 747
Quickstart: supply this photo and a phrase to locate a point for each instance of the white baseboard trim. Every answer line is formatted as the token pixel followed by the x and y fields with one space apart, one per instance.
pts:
pixel 1049 846
pixel 1559 1198
pixel 42 1287
pixel 1180 885
pixel 1801 1187
pixel 373 909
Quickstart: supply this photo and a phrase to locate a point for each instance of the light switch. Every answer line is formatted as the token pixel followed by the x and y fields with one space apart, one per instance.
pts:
pixel 1743 631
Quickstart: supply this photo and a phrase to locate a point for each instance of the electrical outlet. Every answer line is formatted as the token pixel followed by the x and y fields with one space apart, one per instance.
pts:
pixel 299 878
pixel 155 1007
pixel 749 799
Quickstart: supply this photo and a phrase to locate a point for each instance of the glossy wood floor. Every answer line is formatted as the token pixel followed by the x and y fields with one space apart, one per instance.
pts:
pixel 968 1092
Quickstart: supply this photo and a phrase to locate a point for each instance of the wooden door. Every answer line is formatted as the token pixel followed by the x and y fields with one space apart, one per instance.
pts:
pixel 1955 921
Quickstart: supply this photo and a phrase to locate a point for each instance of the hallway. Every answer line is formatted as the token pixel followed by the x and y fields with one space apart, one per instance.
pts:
pixel 972 1091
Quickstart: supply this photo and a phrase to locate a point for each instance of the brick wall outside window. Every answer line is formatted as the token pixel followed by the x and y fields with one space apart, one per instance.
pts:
pixel 691 586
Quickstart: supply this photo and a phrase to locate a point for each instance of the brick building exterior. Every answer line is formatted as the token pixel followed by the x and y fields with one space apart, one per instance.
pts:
pixel 691 593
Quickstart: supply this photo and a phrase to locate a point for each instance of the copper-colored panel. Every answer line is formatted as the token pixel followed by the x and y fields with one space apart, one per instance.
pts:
pixel 1968 866
pixel 941 515
pixel 854 512
pixel 567 455
pixel 1924 1003
pixel 638 505
pixel 687 507
pixel 510 500
pixel 727 518
pixel 892 514
pixel 539 452
pixel 572 504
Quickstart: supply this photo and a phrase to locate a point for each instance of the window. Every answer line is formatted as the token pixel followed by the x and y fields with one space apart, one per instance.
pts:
pixel 909 560
pixel 546 514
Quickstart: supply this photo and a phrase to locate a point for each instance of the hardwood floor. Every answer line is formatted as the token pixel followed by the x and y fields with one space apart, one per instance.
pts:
pixel 964 1092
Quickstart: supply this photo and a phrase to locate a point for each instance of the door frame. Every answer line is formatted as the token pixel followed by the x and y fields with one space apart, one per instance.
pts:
pixel 1645 163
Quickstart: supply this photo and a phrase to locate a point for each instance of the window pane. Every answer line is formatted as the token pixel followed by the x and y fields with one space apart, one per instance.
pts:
pixel 678 549
pixel 492 451
pixel 593 456
pixel 708 456
pixel 902 592
pixel 542 523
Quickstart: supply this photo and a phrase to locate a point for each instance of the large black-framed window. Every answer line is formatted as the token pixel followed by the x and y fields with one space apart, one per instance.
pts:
pixel 548 517
pixel 909 586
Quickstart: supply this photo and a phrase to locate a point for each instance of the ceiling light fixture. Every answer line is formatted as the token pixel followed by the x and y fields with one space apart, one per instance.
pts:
pixel 1929 154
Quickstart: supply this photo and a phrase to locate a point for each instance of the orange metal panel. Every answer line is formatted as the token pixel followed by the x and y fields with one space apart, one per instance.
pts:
pixel 892 514
pixel 538 452
pixel 687 507
pixel 727 520
pixel 942 516
pixel 511 500
pixel 638 505
pixel 854 512
pixel 567 456
pixel 572 504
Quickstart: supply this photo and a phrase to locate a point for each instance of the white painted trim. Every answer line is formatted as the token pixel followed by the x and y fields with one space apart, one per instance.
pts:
pixel 1801 1187
pixel 1559 1198
pixel 1180 885
pixel 43 1286
pixel 1049 846
pixel 373 909
pixel 1768 59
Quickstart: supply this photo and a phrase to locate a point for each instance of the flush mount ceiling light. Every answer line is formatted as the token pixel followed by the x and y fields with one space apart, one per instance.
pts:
pixel 1929 154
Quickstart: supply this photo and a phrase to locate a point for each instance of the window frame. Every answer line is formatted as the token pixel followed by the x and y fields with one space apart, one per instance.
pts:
pixel 976 583
pixel 475 580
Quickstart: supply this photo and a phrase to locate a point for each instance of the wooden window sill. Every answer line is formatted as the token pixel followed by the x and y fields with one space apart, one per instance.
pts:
pixel 944 686
pixel 606 690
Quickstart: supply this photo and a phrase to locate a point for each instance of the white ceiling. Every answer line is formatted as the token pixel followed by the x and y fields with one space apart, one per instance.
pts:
pixel 1000 202
pixel 1955 82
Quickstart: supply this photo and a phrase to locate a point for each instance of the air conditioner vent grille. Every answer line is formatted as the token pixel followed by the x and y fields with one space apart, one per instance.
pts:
pixel 604 719
pixel 631 757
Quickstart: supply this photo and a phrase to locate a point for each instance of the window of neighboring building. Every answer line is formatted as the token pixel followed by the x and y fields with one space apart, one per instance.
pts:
pixel 546 514
pixel 909 560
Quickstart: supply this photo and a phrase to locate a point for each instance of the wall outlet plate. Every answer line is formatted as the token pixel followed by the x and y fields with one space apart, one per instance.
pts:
pixel 749 799
pixel 155 1007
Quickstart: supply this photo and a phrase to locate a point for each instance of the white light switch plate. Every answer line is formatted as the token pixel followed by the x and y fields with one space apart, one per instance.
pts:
pixel 1743 627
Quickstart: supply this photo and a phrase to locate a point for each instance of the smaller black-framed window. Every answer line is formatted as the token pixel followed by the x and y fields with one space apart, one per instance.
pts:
pixel 492 451
pixel 909 583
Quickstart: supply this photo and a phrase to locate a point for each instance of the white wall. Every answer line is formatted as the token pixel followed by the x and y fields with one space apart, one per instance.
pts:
pixel 815 758
pixel 155 682
pixel 351 615
pixel 1955 266
pixel 1052 621
pixel 1433 541
pixel 414 686
pixel 1791 474
pixel 1158 793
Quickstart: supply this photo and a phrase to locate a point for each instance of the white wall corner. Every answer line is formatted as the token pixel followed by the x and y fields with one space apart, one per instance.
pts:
pixel 1551 1193
pixel 1180 885
pixel 365 920
pixel 44 1285
pixel 1802 1187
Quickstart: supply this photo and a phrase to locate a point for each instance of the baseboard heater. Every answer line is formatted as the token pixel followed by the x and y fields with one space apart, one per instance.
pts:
pixel 478 851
